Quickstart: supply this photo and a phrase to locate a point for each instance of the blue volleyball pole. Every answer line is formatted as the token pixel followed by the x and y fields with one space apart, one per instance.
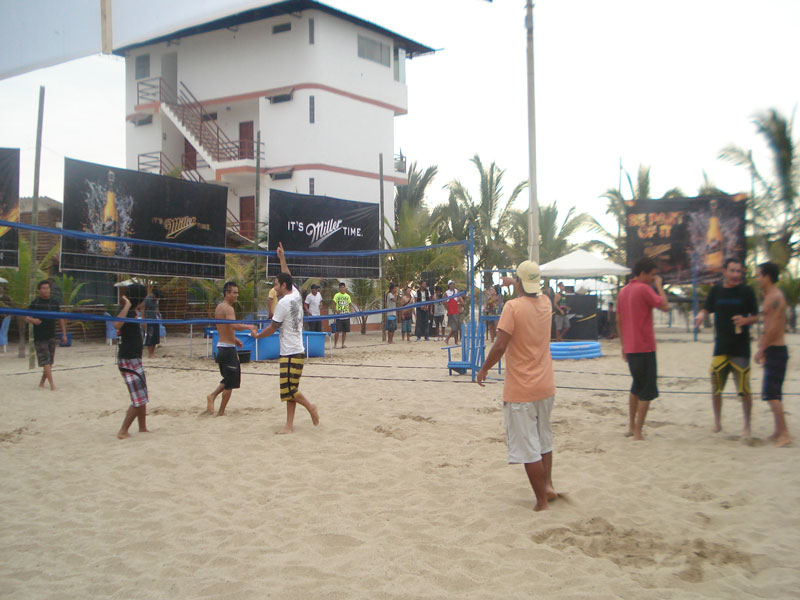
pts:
pixel 471 283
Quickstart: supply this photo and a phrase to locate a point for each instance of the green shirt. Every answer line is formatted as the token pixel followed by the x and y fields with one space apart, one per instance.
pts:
pixel 342 302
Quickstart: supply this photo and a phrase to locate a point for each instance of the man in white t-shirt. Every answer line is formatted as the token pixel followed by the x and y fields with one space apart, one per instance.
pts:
pixel 391 318
pixel 311 306
pixel 289 317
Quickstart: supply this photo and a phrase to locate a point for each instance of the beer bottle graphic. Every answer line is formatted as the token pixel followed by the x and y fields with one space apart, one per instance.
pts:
pixel 714 240
pixel 110 217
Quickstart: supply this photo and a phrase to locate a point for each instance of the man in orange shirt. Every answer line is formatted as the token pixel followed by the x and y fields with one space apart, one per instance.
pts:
pixel 523 335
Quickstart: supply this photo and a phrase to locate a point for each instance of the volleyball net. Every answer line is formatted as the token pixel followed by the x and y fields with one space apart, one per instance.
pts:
pixel 90 296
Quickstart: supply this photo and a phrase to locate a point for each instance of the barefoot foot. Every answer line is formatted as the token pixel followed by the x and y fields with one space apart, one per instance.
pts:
pixel 314 414
pixel 284 431
pixel 716 428
pixel 123 435
pixel 783 440
pixel 540 506
pixel 210 404
pixel 629 433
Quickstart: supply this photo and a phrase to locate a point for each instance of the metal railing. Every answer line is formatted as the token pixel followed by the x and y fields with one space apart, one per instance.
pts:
pixel 158 162
pixel 194 117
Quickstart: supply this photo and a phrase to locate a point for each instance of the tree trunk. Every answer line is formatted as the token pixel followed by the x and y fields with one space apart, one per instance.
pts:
pixel 21 326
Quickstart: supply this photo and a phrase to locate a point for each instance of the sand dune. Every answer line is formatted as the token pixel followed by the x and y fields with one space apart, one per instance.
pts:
pixel 401 492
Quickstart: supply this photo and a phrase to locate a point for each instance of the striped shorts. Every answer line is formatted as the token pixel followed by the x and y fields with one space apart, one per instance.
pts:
pixel 291 368
pixel 133 373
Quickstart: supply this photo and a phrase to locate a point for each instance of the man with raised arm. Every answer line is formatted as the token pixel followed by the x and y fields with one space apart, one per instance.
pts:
pixel 735 308
pixel 227 358
pixel 635 328
pixel 289 317
pixel 772 350
pixel 44 332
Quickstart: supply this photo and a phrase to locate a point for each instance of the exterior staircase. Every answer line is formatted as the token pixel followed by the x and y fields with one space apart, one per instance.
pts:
pixel 194 122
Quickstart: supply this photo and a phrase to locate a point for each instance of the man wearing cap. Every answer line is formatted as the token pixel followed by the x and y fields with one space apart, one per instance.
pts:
pixel 523 336
pixel 311 306
pixel 453 306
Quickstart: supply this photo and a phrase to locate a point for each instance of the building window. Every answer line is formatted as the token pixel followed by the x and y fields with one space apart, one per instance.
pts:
pixel 311 31
pixel 208 116
pixel 310 186
pixel 311 109
pixel 373 50
pixel 399 64
pixel 281 27
pixel 148 120
pixel 143 66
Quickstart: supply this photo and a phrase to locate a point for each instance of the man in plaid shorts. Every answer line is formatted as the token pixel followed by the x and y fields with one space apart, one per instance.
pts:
pixel 129 359
pixel 289 317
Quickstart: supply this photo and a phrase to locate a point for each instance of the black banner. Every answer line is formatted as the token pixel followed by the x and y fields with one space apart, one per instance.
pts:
pixel 672 231
pixel 323 224
pixel 121 203
pixel 9 206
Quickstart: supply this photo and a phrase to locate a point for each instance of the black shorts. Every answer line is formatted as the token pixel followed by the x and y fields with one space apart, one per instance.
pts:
pixel 314 326
pixel 644 371
pixel 229 368
pixel 391 323
pixel 437 320
pixel 342 325
pixel 151 336
pixel 775 359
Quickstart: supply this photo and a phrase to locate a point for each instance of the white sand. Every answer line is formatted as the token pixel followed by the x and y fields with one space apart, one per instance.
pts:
pixel 402 491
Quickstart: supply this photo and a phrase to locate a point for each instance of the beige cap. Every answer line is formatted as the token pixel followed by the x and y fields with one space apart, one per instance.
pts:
pixel 528 274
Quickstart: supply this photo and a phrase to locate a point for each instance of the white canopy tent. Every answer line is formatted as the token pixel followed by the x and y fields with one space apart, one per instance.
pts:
pixel 581 264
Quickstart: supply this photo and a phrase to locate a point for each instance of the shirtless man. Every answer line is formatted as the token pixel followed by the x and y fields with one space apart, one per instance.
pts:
pixel 227 358
pixel 772 348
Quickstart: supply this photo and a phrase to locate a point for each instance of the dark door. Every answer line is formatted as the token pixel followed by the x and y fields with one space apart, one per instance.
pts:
pixel 189 156
pixel 247 216
pixel 246 140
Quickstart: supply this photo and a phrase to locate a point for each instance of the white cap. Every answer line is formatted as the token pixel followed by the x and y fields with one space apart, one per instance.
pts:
pixel 528 274
pixel 449 282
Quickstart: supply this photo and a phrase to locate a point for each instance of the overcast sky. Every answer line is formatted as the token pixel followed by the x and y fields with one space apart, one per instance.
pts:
pixel 665 84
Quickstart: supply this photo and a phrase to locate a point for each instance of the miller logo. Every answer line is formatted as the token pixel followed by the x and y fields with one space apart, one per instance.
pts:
pixel 323 230
pixel 176 226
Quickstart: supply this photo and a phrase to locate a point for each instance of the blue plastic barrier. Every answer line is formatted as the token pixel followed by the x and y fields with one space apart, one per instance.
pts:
pixel 575 350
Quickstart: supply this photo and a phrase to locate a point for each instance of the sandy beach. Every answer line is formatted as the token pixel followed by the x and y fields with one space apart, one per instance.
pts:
pixel 403 490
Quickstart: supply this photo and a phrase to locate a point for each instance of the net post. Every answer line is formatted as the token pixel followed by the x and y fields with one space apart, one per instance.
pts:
pixel 471 284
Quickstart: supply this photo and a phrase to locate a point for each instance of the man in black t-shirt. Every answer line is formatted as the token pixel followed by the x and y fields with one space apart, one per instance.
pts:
pixel 735 308
pixel 44 332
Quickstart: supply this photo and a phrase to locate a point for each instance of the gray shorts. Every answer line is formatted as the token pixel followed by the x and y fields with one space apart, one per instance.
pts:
pixel 45 351
pixel 528 432
pixel 454 322
pixel 562 322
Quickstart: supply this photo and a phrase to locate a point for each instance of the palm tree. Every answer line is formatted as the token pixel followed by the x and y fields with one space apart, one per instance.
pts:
pixel 417 229
pixel 366 296
pixel 413 193
pixel 774 214
pixel 555 233
pixel 490 215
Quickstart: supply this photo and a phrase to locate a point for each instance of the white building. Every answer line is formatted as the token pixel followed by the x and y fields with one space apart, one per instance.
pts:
pixel 321 86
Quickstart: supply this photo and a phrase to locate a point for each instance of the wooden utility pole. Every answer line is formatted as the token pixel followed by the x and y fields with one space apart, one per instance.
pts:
pixel 258 214
pixel 34 261
pixel 380 245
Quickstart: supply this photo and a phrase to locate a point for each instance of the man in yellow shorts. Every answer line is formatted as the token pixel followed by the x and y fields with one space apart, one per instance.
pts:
pixel 289 318
pixel 735 309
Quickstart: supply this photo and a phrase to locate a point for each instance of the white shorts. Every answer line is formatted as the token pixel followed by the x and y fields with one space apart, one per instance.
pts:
pixel 528 432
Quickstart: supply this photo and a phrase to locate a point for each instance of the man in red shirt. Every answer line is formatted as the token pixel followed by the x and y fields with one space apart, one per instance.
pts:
pixel 523 335
pixel 635 328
